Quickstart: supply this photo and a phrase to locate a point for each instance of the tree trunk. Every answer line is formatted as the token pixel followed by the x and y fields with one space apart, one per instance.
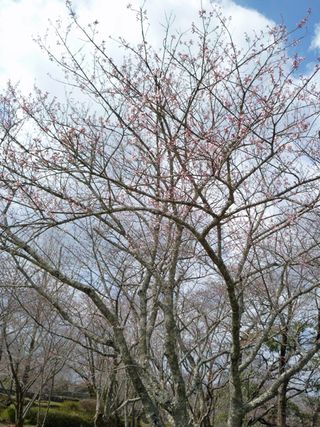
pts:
pixel 19 409
pixel 236 410
pixel 150 408
pixel 180 409
pixel 206 422
pixel 315 417
pixel 180 405
pixel 282 405
pixel 99 421
pixel 235 418
pixel 282 393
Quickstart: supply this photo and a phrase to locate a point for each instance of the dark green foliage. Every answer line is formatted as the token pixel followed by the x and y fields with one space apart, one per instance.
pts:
pixel 111 422
pixel 11 414
pixel 54 418
pixel 68 414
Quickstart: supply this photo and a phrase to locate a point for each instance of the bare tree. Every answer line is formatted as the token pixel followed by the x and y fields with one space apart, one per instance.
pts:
pixel 31 355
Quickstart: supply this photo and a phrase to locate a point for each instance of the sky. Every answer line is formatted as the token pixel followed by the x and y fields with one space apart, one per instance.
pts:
pixel 290 12
pixel 23 20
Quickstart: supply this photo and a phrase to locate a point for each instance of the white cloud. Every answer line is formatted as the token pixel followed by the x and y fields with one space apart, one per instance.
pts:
pixel 244 20
pixel 22 60
pixel 315 44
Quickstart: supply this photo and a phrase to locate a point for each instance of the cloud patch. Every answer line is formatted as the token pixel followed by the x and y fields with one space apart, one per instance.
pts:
pixel 21 21
pixel 315 44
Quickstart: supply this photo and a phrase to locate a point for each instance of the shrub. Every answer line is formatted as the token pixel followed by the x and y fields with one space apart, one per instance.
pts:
pixel 4 399
pixel 56 418
pixel 111 422
pixel 45 403
pixel 70 405
pixel 62 419
pixel 88 406
pixel 4 414
pixel 11 413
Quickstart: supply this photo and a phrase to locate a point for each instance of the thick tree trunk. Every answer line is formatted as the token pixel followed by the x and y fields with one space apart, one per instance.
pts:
pixel 236 410
pixel 282 392
pixel 180 406
pixel 206 422
pixel 19 421
pixel 282 405
pixel 236 416
pixel 315 417
pixel 150 407
pixel 99 419
pixel 180 411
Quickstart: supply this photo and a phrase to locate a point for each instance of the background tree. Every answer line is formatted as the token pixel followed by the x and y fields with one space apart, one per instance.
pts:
pixel 32 354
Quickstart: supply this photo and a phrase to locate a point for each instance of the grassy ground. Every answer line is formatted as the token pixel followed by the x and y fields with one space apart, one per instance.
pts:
pixel 12 425
pixel 61 414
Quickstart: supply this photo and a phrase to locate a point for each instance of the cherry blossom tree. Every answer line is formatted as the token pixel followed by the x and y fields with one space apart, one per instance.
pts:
pixel 184 173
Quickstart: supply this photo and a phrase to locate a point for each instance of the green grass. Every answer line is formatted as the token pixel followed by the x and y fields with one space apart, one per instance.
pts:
pixel 61 414
pixel 65 414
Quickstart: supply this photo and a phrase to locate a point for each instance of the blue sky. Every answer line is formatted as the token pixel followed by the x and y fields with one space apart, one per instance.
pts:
pixel 290 12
